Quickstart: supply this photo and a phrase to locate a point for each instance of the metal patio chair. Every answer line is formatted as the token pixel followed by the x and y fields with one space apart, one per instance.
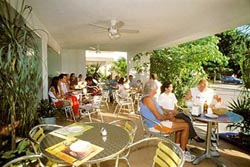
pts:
pixel 167 153
pixel 26 160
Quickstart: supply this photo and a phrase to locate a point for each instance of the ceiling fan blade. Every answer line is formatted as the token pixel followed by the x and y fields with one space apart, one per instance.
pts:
pixel 92 48
pixel 99 26
pixel 119 24
pixel 129 31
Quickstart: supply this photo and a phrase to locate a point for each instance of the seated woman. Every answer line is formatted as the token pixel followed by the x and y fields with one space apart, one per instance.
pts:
pixel 60 100
pixel 122 89
pixel 168 102
pixel 150 108
pixel 54 92
pixel 73 81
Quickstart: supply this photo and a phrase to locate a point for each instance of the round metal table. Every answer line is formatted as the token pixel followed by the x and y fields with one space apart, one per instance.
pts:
pixel 229 117
pixel 116 141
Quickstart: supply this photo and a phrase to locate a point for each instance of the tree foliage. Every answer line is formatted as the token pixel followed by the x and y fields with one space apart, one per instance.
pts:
pixel 94 71
pixel 233 44
pixel 183 64
pixel 119 67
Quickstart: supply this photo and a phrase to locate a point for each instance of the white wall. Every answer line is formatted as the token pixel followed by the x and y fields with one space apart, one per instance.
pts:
pixel 54 62
pixel 73 60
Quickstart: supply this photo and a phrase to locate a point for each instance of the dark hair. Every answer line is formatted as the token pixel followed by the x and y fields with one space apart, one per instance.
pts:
pixel 54 83
pixel 62 75
pixel 153 76
pixel 165 85
pixel 89 78
pixel 72 74
pixel 121 80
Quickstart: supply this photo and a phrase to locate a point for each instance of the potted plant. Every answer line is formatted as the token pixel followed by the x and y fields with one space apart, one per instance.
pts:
pixel 241 106
pixel 20 70
pixel 46 112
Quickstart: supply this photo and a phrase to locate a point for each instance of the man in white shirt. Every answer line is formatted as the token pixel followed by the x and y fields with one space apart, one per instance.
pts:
pixel 63 89
pixel 202 93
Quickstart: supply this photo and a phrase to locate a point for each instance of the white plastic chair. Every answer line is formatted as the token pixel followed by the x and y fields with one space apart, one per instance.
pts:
pixel 123 104
pixel 92 108
pixel 105 98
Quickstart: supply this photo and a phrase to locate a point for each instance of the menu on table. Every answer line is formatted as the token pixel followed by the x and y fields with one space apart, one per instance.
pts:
pixel 74 129
pixel 74 151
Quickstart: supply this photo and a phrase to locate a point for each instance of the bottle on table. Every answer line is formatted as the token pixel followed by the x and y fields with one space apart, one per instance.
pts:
pixel 205 107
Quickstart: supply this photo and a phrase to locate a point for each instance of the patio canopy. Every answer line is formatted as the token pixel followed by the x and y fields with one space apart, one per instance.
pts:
pixel 160 23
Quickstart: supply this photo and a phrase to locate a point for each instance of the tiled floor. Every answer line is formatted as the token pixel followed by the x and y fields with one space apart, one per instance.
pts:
pixel 230 155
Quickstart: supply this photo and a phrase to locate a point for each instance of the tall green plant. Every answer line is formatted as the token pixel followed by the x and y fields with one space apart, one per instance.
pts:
pixel 241 106
pixel 94 70
pixel 19 69
pixel 119 67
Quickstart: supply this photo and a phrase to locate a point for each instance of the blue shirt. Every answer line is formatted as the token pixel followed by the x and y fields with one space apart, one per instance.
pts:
pixel 145 111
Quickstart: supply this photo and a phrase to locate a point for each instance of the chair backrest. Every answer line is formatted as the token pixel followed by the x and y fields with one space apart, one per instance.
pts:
pixel 129 125
pixel 152 131
pixel 166 156
pixel 105 94
pixel 27 160
pixel 167 153
pixel 37 134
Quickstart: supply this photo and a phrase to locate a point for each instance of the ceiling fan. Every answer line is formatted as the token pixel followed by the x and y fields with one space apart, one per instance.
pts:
pixel 96 49
pixel 114 30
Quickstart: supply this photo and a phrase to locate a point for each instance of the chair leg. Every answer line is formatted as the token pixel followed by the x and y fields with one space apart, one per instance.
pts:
pixel 100 114
pixel 107 105
pixel 72 115
pixel 116 107
pixel 89 115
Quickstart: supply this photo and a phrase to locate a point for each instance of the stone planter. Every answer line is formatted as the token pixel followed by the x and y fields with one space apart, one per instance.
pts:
pixel 49 120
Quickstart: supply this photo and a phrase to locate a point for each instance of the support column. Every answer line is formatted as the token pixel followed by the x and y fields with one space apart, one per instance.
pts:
pixel 44 52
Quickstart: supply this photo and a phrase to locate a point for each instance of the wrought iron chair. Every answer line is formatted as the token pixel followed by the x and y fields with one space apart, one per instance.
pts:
pixel 167 153
pixel 131 127
pixel 27 160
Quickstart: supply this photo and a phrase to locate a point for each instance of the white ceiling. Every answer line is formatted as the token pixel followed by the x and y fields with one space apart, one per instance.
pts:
pixel 161 23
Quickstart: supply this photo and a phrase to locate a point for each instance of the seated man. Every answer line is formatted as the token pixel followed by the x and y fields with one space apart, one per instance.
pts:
pixel 150 108
pixel 202 93
pixel 92 87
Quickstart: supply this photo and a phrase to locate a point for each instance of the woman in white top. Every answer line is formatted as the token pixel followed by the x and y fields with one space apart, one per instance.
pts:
pixel 122 89
pixel 168 102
